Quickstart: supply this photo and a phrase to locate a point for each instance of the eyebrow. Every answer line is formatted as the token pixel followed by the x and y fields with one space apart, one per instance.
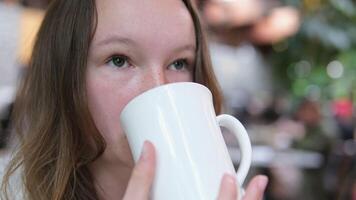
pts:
pixel 115 39
pixel 187 47
pixel 130 42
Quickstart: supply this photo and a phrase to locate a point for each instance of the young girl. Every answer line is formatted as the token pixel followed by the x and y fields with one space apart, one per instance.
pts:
pixel 90 59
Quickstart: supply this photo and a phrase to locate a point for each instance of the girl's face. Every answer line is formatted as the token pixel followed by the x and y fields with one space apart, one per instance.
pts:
pixel 137 45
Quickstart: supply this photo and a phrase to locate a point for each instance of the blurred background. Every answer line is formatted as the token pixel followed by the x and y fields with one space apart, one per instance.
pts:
pixel 287 70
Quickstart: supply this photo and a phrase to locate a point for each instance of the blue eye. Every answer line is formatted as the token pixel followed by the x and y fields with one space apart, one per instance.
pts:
pixel 178 65
pixel 118 61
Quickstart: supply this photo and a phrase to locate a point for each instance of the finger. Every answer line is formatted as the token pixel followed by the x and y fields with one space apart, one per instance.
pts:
pixel 228 188
pixel 142 175
pixel 256 188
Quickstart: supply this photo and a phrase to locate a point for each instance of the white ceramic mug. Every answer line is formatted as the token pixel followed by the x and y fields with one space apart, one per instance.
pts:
pixel 192 157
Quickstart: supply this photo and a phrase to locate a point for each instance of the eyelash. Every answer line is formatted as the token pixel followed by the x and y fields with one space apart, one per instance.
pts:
pixel 111 59
pixel 185 61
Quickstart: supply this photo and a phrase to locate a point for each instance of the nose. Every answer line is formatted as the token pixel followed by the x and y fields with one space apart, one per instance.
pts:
pixel 154 78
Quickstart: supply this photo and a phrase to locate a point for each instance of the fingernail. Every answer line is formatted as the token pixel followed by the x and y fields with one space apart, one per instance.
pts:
pixel 144 153
pixel 230 179
pixel 262 182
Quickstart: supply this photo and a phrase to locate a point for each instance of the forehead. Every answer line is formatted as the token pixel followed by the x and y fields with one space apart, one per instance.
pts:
pixel 154 22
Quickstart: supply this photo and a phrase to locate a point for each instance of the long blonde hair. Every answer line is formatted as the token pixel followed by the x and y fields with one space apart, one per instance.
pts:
pixel 51 113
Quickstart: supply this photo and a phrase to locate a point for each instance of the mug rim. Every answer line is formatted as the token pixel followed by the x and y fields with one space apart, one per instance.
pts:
pixel 160 87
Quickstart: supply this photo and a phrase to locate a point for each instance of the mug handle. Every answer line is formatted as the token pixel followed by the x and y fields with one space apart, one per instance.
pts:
pixel 235 126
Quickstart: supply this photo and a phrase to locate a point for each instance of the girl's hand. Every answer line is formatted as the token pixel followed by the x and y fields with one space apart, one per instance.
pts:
pixel 254 191
pixel 142 175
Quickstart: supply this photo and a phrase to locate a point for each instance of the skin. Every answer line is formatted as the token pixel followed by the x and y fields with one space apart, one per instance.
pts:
pixel 146 44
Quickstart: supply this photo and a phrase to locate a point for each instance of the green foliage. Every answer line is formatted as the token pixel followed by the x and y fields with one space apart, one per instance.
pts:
pixel 320 60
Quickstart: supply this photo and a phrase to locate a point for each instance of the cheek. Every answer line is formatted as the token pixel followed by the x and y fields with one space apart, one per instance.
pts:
pixel 173 76
pixel 106 101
